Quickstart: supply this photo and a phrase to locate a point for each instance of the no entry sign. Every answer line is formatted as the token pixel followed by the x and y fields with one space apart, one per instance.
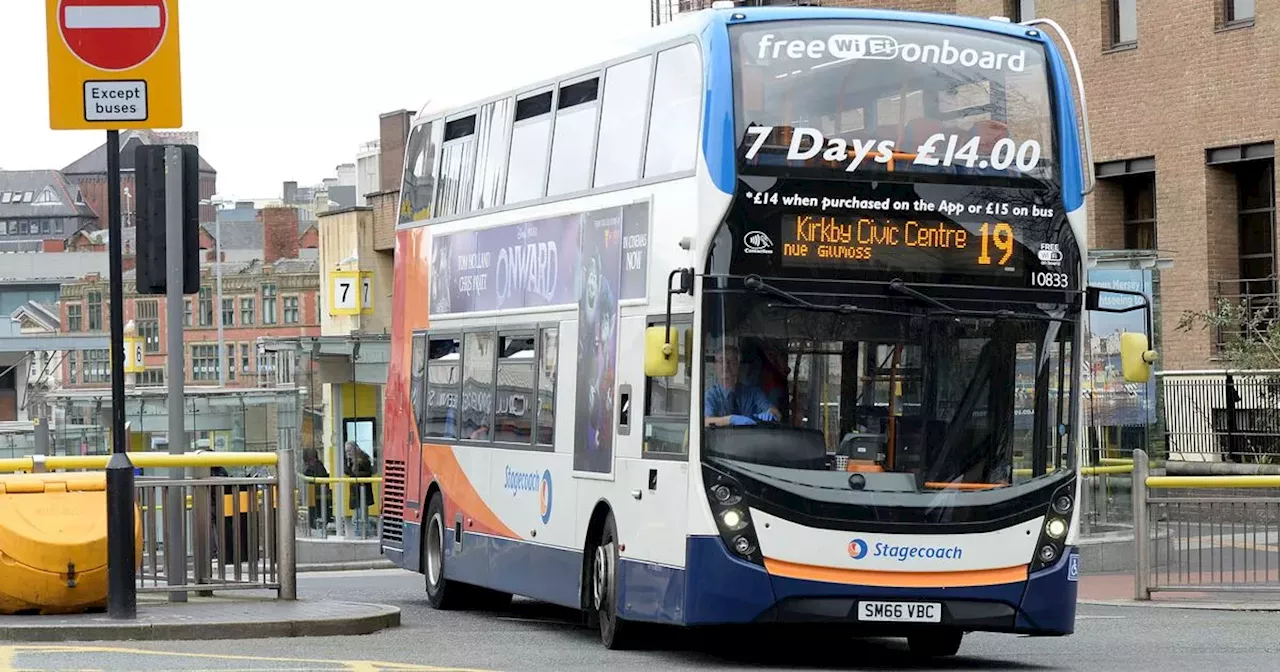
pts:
pixel 113 64
pixel 113 35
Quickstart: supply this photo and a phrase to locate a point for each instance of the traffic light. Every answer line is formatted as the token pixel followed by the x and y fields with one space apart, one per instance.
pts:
pixel 149 179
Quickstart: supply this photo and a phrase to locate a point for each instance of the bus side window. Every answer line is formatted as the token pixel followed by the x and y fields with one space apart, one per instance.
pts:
pixel 667 401
pixel 548 355
pixel 444 368
pixel 417 386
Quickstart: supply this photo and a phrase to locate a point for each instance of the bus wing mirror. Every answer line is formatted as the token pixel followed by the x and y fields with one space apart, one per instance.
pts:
pixel 661 347
pixel 1136 357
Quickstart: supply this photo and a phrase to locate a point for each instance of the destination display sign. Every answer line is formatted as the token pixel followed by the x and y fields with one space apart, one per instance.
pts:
pixel 923 232
pixel 895 242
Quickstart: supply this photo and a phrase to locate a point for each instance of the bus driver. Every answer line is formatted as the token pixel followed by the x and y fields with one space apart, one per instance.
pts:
pixel 743 404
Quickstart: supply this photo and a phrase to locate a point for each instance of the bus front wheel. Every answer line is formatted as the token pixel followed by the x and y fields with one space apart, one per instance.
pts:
pixel 935 643
pixel 615 632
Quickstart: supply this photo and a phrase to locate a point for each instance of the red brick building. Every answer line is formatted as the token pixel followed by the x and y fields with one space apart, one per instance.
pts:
pixel 277 295
pixel 1182 111
pixel 90 173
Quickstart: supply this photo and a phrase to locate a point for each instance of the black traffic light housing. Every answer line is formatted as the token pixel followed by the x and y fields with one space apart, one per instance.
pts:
pixel 149 206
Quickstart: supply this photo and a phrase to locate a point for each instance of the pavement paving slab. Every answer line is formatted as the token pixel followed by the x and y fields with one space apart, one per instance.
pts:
pixel 207 618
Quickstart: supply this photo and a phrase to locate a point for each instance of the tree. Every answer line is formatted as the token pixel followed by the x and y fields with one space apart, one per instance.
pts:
pixel 1250 336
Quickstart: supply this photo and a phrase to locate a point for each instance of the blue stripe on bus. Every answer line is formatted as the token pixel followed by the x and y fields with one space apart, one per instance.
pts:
pixel 1049 606
pixel 1070 166
pixel 719 146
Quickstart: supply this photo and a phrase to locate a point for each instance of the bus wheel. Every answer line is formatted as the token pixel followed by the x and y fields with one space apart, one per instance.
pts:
pixel 441 593
pixel 615 632
pixel 935 643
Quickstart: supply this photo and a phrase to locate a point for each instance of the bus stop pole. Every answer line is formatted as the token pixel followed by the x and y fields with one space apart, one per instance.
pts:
pixel 122 576
pixel 175 543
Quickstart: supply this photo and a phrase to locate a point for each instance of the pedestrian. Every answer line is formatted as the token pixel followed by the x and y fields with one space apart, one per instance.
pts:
pixel 318 505
pixel 358 465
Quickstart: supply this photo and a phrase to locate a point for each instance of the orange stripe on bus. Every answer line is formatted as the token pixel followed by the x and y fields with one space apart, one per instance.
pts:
pixel 883 579
pixel 443 464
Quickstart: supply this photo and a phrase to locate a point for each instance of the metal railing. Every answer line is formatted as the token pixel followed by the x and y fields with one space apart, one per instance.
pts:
pixel 234 533
pixel 1231 416
pixel 318 499
pixel 1205 533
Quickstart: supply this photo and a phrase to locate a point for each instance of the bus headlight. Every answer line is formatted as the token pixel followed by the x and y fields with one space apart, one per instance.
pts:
pixel 1048 553
pixel 1057 525
pixel 1056 528
pixel 733 520
pixel 1062 504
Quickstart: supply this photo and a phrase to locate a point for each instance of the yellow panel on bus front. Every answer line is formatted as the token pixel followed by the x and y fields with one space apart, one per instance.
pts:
pixel 53 542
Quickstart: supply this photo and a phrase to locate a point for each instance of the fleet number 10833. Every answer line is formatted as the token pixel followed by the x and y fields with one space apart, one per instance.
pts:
pixel 1047 279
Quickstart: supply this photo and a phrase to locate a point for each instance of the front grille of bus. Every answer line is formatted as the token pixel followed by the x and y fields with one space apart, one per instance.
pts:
pixel 393 502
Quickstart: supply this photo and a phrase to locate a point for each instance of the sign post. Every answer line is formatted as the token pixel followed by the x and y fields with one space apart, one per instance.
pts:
pixel 115 66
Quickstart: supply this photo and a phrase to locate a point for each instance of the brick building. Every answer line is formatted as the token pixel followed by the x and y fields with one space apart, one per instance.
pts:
pixel 40 210
pixel 276 295
pixel 1182 103
pixel 89 172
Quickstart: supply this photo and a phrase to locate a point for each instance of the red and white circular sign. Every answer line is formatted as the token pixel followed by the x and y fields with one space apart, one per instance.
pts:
pixel 113 34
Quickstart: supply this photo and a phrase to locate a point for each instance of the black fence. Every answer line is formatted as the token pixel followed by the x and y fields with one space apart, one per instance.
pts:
pixel 1222 416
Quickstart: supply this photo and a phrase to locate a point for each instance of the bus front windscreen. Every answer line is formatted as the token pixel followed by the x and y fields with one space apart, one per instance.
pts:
pixel 976 396
pixel 823 98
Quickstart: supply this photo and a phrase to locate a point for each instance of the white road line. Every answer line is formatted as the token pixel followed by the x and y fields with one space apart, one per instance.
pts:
pixel 113 16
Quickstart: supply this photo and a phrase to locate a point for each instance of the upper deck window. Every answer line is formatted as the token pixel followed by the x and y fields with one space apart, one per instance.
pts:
pixel 856 97
pixel 457 166
pixel 575 133
pixel 417 194
pixel 626 101
pixel 527 172
pixel 677 102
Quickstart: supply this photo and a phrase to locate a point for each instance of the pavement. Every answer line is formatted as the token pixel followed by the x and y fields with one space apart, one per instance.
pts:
pixel 1117 590
pixel 207 618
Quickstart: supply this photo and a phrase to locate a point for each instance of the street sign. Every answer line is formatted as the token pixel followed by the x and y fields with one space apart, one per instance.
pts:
pixel 366 291
pixel 113 64
pixel 134 359
pixel 344 293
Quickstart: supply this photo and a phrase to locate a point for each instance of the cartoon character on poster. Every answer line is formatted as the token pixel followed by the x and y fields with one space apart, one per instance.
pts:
pixel 597 344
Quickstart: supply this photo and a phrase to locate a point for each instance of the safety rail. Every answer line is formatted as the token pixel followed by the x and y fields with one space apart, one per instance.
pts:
pixel 1205 533
pixel 235 533
pixel 317 499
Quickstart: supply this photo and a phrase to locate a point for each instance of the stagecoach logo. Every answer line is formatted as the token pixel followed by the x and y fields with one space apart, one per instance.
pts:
pixel 857 549
pixel 852 46
pixel 530 481
pixel 757 242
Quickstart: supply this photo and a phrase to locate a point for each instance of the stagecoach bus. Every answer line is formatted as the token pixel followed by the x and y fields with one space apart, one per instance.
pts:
pixel 773 317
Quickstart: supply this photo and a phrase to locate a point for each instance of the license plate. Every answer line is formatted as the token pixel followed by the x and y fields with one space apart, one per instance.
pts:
pixel 900 612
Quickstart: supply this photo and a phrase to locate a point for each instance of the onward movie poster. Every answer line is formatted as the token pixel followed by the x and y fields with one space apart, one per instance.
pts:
pixel 601 271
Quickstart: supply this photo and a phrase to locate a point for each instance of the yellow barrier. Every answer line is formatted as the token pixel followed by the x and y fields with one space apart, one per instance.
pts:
pixel 1109 469
pixel 1251 481
pixel 145 460
pixel 1115 460
pixel 330 480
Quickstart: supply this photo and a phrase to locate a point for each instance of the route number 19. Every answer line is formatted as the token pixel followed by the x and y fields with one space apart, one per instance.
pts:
pixel 1001 235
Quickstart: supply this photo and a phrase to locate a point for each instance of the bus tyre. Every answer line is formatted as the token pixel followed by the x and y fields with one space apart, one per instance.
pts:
pixel 935 643
pixel 441 593
pixel 615 632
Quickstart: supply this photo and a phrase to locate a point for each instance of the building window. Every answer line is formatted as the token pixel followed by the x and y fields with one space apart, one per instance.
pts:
pixel 95 311
pixel 97 366
pixel 1139 220
pixel 1022 10
pixel 290 310
pixel 74 319
pixel 186 312
pixel 206 307
pixel 548 354
pixel 204 362
pixel 1124 22
pixel 228 312
pixel 247 311
pixel 269 304
pixel 1239 11
pixel 147 315
pixel 231 361
pixel 151 378
pixel 244 359
pixel 667 401
pixel 71 368
pixel 1256 210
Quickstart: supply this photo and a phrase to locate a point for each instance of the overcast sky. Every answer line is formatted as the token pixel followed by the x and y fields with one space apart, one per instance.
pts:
pixel 288 89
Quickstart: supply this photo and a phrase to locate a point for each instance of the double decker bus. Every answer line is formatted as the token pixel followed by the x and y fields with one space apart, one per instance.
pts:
pixel 774 317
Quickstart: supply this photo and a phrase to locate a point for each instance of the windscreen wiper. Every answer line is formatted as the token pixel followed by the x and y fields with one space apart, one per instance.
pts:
pixel 756 284
pixel 901 287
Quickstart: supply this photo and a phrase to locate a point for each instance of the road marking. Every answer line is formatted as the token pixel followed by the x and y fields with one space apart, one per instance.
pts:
pixel 7 654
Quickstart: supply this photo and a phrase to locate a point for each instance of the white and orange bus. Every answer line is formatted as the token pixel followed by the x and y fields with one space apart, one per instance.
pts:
pixel 772 317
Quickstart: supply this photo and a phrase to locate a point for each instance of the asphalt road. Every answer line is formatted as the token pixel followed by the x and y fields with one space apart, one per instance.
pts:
pixel 532 636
